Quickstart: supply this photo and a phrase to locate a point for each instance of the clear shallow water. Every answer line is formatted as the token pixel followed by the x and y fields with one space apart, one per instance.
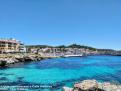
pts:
pixel 61 72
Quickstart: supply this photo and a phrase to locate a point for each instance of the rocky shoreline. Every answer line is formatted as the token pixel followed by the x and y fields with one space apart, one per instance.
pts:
pixel 93 85
pixel 7 60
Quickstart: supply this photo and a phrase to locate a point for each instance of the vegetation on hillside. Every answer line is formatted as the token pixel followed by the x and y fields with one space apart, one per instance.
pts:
pixel 61 46
pixel 38 46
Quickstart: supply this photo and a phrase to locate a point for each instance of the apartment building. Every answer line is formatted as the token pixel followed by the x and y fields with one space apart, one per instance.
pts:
pixel 11 45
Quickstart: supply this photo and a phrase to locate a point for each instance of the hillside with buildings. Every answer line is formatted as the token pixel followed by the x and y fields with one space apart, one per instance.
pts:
pixel 73 49
pixel 16 46
pixel 12 50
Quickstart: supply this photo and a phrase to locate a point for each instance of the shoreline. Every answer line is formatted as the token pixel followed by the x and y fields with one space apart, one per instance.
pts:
pixel 15 59
pixel 11 60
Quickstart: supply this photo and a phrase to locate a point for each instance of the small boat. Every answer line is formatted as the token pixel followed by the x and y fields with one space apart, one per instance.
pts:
pixel 80 55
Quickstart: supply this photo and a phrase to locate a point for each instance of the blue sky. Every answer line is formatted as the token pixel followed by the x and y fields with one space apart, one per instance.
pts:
pixel 95 23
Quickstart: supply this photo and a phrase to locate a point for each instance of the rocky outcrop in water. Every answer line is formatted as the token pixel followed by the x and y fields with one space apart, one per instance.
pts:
pixel 93 85
pixel 5 60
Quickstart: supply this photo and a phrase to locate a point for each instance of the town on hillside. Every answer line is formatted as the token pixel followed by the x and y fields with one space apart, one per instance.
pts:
pixel 12 51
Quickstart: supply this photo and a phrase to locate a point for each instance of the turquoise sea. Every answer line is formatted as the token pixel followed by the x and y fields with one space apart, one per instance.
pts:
pixel 53 74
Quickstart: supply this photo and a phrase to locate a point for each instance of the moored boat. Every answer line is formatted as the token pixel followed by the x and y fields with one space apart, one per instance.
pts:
pixel 80 55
